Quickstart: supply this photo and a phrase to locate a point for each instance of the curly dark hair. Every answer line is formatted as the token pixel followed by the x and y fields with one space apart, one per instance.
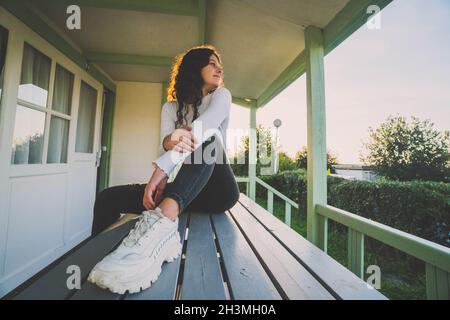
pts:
pixel 186 81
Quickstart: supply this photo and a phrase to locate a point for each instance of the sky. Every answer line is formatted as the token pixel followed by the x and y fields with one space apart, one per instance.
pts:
pixel 403 69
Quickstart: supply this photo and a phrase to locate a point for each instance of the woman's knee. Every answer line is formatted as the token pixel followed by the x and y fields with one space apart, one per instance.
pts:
pixel 230 200
pixel 234 198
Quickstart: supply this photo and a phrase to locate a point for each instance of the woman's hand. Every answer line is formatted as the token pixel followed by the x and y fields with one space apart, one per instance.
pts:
pixel 154 189
pixel 181 140
pixel 159 190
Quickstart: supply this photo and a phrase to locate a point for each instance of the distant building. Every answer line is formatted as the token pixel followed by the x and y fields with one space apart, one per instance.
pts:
pixel 354 172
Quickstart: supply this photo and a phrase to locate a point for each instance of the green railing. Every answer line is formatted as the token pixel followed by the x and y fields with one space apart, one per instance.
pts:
pixel 436 257
pixel 288 203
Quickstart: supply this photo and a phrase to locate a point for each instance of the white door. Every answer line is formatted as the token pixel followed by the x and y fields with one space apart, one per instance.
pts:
pixel 49 137
pixel 85 135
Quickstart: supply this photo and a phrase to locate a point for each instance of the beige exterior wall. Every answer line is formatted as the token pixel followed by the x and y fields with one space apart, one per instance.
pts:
pixel 135 132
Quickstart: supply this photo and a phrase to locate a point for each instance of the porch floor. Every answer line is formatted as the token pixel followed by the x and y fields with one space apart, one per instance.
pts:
pixel 244 253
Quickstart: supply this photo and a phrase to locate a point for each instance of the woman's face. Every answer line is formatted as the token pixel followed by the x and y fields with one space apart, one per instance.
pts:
pixel 212 73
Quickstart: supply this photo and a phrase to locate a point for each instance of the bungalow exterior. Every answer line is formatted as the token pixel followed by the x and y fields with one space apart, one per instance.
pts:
pixel 80 110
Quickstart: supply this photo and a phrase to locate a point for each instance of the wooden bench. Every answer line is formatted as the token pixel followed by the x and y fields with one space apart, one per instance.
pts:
pixel 244 253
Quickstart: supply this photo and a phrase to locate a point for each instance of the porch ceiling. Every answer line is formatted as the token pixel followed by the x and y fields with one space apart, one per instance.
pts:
pixel 257 39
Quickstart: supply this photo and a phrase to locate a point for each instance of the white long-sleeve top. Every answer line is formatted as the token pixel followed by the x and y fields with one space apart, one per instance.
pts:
pixel 214 112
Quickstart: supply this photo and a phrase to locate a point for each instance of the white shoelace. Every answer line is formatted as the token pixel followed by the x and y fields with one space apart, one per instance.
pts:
pixel 146 221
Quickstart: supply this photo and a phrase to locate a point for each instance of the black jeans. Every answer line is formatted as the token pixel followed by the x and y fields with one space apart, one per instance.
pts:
pixel 203 183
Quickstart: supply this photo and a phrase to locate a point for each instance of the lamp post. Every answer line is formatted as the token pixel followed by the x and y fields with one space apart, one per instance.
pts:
pixel 277 124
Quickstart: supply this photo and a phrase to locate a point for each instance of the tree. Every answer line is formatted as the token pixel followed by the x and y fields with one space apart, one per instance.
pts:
pixel 263 152
pixel 301 158
pixel 285 162
pixel 404 151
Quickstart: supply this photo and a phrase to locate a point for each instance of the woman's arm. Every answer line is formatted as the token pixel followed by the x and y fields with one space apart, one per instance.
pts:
pixel 202 128
pixel 167 124
pixel 181 140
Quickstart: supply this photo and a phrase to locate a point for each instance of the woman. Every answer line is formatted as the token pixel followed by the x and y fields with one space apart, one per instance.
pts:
pixel 193 134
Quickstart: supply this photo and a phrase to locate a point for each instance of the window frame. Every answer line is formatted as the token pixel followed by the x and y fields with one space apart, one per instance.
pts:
pixel 18 35
pixel 48 109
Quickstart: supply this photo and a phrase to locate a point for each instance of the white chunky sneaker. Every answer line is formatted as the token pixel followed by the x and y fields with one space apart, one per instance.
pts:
pixel 136 263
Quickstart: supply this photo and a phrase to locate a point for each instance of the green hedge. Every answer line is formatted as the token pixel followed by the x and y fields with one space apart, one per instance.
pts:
pixel 417 207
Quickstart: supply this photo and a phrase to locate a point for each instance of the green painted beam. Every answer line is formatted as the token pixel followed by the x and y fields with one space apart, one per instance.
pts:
pixel 293 71
pixel 106 57
pixel 244 102
pixel 347 21
pixel 34 22
pixel 344 24
pixel 175 7
pixel 316 226
pixel 201 21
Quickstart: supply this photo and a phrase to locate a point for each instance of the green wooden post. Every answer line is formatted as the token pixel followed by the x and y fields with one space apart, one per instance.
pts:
pixel 287 213
pixel 438 283
pixel 317 152
pixel 252 154
pixel 106 140
pixel 355 251
pixel 269 201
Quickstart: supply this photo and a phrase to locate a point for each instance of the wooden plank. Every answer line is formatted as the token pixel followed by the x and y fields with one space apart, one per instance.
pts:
pixel 293 281
pixel 247 278
pixel 335 276
pixel 164 289
pixel 52 285
pixel 202 277
pixel 90 291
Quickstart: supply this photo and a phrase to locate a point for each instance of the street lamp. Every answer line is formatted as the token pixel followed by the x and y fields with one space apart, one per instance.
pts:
pixel 277 124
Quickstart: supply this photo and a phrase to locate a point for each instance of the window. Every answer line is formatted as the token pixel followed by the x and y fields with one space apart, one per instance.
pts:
pixel 86 119
pixel 63 88
pixel 29 126
pixel 34 114
pixel 35 77
pixel 59 125
pixel 28 136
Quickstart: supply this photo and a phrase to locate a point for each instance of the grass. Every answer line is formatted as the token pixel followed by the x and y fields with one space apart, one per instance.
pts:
pixel 402 277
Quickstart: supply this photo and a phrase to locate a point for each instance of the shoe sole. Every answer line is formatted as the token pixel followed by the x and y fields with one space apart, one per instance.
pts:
pixel 149 275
